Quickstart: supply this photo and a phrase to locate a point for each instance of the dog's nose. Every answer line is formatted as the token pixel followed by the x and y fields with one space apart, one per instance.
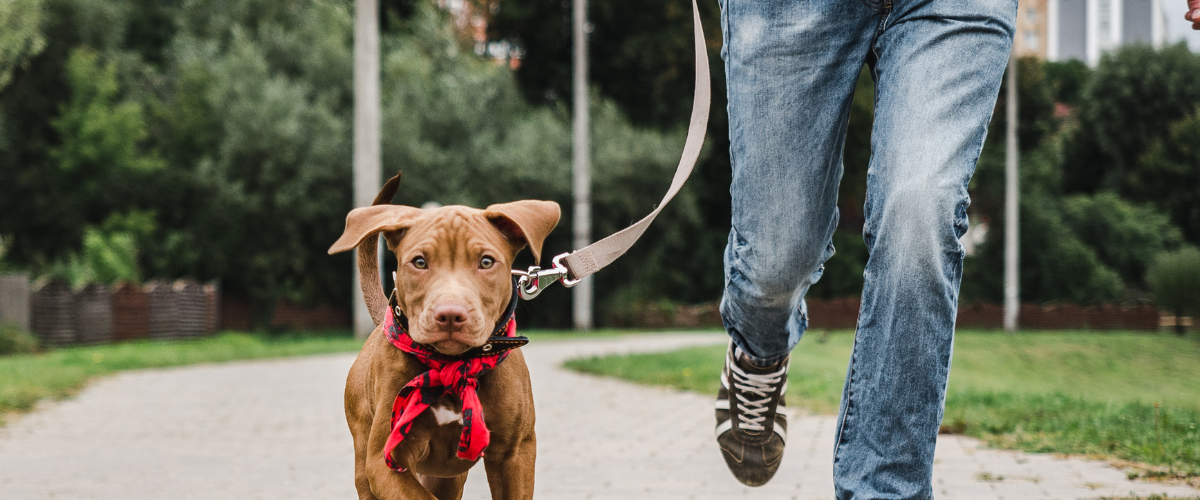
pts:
pixel 450 317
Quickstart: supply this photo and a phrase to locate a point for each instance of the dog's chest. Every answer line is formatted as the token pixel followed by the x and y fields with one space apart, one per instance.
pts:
pixel 432 445
pixel 445 413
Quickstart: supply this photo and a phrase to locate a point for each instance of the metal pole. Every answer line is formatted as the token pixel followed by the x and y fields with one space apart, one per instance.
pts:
pixel 367 157
pixel 582 292
pixel 1012 212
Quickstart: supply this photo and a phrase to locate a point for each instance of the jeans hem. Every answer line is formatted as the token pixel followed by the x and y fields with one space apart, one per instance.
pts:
pixel 761 362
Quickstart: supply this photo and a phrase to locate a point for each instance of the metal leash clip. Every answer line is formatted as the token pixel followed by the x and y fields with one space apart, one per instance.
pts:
pixel 531 283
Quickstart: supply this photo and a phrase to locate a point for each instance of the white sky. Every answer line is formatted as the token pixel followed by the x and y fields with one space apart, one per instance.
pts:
pixel 1178 27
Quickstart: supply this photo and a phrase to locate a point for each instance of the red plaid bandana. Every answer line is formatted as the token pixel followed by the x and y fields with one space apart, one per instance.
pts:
pixel 457 375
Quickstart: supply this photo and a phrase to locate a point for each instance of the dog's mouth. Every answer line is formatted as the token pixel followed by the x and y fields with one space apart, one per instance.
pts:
pixel 450 347
pixel 450 343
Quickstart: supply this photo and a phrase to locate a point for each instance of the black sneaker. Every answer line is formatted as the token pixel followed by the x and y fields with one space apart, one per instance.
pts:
pixel 752 431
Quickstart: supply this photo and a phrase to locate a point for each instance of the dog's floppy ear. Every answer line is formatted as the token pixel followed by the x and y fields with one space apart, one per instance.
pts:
pixel 365 221
pixel 525 222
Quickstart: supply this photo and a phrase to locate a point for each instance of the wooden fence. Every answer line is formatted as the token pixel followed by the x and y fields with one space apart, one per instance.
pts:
pixel 97 314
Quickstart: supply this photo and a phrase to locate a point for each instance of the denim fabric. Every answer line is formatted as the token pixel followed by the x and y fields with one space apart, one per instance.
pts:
pixel 791 67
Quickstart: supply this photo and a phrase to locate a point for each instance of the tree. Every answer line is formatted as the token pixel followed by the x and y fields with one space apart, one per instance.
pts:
pixel 211 140
pixel 1056 263
pixel 42 209
pixel 1175 279
pixel 256 125
pixel 462 132
pixel 641 52
pixel 1067 80
pixel 1125 236
pixel 642 60
pixel 20 35
pixel 1129 103
pixel 99 136
pixel 1168 176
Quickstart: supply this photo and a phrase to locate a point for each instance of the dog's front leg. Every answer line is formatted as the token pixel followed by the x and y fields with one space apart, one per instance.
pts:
pixel 445 488
pixel 387 484
pixel 510 475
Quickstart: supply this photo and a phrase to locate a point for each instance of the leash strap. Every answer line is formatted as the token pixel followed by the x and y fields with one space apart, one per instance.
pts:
pixel 574 266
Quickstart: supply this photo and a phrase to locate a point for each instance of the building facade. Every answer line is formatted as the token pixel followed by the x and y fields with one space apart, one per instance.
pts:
pixel 1059 30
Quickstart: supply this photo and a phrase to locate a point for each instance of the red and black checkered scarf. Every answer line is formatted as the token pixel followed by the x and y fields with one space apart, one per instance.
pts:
pixel 457 375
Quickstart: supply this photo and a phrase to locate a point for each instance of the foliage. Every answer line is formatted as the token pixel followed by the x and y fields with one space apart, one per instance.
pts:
pixel 45 208
pixel 1055 263
pixel 1067 80
pixel 20 35
pixel 1125 236
pixel 219 133
pixel 1130 102
pixel 452 153
pixel 98 136
pixel 1083 248
pixel 248 103
pixel 1066 392
pixel 1035 106
pixel 257 122
pixel 1169 176
pixel 640 58
pixel 1175 280
pixel 640 52
pixel 110 252
pixel 14 340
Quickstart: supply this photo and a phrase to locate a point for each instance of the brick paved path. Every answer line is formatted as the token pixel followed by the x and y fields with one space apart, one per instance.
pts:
pixel 275 430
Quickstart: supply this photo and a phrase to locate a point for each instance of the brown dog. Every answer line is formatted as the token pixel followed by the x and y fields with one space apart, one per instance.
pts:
pixel 453 283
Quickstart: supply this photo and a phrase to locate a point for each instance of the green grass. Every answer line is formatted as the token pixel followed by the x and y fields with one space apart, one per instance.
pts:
pixel 28 378
pixel 1079 393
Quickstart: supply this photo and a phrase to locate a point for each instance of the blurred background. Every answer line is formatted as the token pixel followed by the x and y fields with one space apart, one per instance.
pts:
pixel 146 142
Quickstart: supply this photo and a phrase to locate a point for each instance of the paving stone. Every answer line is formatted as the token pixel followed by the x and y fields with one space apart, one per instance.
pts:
pixel 275 429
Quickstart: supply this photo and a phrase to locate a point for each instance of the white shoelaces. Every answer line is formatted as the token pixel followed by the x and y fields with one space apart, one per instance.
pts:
pixel 752 410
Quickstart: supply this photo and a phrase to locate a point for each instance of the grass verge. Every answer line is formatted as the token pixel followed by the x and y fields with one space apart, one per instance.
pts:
pixel 1131 396
pixel 28 378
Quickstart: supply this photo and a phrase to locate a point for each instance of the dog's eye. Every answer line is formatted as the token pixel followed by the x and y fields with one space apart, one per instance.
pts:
pixel 486 263
pixel 419 263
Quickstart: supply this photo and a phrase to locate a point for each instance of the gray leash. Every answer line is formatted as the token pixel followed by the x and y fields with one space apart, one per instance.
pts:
pixel 571 267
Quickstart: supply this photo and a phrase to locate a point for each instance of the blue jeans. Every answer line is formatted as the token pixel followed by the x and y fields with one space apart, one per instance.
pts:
pixel 791 67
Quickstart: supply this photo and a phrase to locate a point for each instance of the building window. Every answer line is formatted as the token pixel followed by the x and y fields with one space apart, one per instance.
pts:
pixel 1031 15
pixel 1031 40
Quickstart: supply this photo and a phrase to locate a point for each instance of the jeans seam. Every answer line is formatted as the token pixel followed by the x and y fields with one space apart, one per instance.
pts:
pixel 725 45
pixel 841 437
pixel 887 14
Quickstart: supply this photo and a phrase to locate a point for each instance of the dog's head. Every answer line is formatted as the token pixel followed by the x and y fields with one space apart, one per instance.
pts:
pixel 453 277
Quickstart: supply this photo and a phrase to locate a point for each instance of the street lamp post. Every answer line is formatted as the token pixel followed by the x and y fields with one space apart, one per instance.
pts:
pixel 367 158
pixel 582 293
pixel 1012 211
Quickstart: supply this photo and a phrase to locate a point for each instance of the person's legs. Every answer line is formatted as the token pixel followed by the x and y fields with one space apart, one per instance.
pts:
pixel 791 68
pixel 938 66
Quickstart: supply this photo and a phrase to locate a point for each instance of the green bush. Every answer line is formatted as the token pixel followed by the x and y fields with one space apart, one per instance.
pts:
pixel 1175 280
pixel 109 256
pixel 14 340
pixel 1168 172
pixel 1125 236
